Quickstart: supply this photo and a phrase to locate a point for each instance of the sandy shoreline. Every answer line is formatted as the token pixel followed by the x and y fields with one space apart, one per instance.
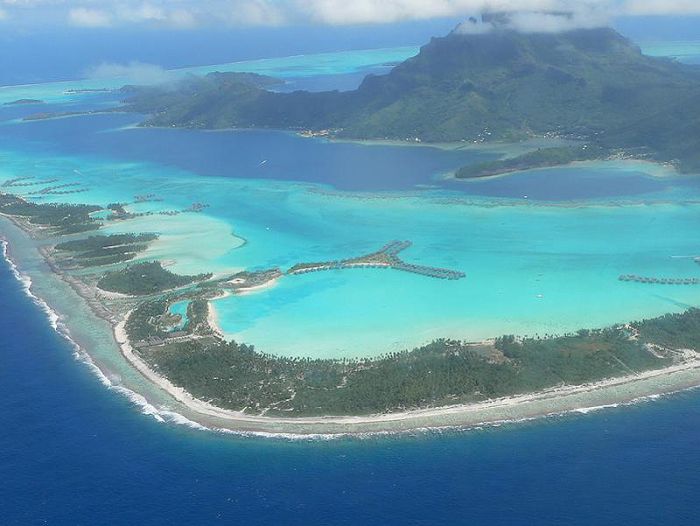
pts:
pixel 557 400
pixel 212 315
pixel 242 291
pixel 523 406
pixel 650 168
pixel 212 319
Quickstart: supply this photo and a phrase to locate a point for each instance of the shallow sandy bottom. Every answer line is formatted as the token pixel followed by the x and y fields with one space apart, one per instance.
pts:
pixel 97 343
pixel 531 267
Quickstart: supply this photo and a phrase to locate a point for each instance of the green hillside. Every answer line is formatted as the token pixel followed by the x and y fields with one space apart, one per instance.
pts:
pixel 588 84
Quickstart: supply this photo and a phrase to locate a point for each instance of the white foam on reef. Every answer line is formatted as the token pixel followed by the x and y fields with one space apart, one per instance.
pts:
pixel 82 356
pixel 300 436
pixel 586 410
pixel 26 283
pixel 165 414
pixel 176 418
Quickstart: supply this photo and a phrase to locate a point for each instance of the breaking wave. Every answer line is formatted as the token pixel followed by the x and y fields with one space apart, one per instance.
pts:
pixel 165 414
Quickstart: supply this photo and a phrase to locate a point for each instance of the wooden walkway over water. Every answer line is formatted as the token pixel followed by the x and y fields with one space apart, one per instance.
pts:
pixel 386 257
pixel 659 281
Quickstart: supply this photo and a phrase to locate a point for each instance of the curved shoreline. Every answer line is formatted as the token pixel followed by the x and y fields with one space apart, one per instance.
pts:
pixel 524 407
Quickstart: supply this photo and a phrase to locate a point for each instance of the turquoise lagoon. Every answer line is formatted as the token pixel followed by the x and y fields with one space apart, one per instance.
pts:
pixel 682 50
pixel 542 250
pixel 180 308
pixel 532 266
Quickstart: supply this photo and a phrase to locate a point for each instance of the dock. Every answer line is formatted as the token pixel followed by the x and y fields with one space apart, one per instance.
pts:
pixel 386 257
pixel 27 181
pixel 659 281
pixel 60 189
pixel 431 272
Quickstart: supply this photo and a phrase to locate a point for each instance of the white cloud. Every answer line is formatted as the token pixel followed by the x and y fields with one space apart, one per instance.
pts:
pixel 85 17
pixel 260 13
pixel 142 13
pixel 133 72
pixel 538 22
pixel 3 14
pixel 191 13
pixel 373 11
pixel 473 26
pixel 661 7
pixel 182 18
pixel 550 23
pixel 125 13
pixel 159 15
pixel 370 11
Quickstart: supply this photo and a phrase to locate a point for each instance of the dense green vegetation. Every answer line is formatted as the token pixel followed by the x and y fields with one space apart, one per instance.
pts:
pixel 59 219
pixel 145 278
pixel 105 250
pixel 141 324
pixel 590 84
pixel 672 330
pixel 197 312
pixel 235 376
pixel 192 101
pixel 541 158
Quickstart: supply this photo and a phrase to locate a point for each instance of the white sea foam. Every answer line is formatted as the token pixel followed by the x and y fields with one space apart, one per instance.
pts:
pixel 165 414
pixel 80 355
pixel 174 417
pixel 586 410
pixel 26 283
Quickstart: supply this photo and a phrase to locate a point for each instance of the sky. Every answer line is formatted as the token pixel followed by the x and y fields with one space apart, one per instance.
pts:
pixel 189 14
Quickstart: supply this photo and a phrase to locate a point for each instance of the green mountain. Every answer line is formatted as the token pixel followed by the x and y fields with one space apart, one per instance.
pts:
pixel 588 84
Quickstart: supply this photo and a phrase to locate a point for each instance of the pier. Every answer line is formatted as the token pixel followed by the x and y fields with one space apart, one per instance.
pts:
pixel 146 198
pixel 659 281
pixel 27 181
pixel 18 181
pixel 386 257
pixel 196 207
pixel 60 189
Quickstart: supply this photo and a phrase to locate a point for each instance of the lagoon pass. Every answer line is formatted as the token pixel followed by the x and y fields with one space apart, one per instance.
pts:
pixel 533 254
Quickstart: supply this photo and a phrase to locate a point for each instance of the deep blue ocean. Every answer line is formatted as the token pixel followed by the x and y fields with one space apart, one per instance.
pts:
pixel 75 453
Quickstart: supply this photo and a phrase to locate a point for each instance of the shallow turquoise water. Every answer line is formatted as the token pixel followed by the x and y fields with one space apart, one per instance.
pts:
pixel 75 452
pixel 682 50
pixel 542 250
pixel 532 267
pixel 180 307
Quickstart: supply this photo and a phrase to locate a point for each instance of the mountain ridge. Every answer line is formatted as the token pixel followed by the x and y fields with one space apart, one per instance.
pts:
pixel 501 85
